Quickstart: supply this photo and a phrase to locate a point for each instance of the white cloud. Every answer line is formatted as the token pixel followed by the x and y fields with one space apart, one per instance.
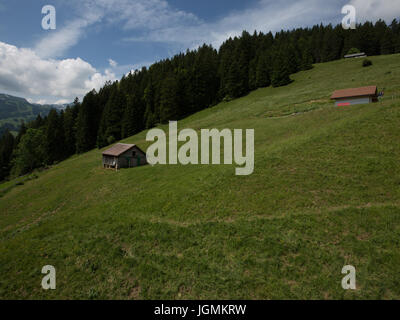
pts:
pixel 23 71
pixel 131 15
pixel 156 20
pixel 112 63
pixel 33 72
pixel 265 15
pixel 269 15
pixel 58 41
pixel 377 9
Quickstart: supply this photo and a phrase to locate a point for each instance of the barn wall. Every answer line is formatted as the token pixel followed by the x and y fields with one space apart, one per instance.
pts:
pixel 353 101
pixel 109 160
pixel 123 162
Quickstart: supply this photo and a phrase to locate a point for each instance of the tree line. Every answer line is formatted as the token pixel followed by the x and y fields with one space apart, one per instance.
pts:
pixel 174 88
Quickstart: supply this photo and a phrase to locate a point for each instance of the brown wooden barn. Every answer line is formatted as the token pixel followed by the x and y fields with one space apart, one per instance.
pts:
pixel 348 97
pixel 124 155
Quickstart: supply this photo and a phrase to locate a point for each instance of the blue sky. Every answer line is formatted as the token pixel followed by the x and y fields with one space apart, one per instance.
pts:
pixel 99 40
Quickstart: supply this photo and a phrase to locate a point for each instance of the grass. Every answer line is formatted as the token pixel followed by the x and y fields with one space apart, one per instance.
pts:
pixel 325 193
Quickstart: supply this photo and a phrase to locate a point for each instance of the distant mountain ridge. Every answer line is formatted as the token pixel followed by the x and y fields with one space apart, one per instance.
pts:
pixel 13 110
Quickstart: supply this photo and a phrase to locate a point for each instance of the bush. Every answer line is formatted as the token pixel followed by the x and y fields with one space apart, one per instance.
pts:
pixel 367 63
pixel 111 140
pixel 353 51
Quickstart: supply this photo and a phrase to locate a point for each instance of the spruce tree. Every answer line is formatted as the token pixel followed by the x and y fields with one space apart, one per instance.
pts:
pixel 263 78
pixel 22 130
pixel 387 43
pixel 70 128
pixel 131 121
pixel 7 142
pixel 30 152
pixel 253 74
pixel 280 72
pixel 87 123
pixel 169 103
pixel 55 143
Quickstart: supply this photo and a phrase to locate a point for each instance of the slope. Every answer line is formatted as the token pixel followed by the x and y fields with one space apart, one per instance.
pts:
pixel 325 193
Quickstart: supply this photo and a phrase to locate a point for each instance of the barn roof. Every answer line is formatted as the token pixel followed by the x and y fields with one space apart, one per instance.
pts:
pixel 118 149
pixel 354 55
pixel 355 92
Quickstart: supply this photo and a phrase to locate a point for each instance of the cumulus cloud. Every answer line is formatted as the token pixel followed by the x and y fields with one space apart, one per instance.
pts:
pixel 23 71
pixel 376 9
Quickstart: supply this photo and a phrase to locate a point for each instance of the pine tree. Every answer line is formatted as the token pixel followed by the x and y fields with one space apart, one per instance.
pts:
pixel 87 123
pixel 110 128
pixel 396 44
pixel 280 72
pixel 149 99
pixel 306 60
pixel 253 74
pixel 38 122
pixel 55 143
pixel 30 152
pixel 131 121
pixel 263 71
pixel 169 103
pixel 22 130
pixel 202 83
pixel 7 142
pixel 387 43
pixel 70 128
pixel 225 61
pixel 113 113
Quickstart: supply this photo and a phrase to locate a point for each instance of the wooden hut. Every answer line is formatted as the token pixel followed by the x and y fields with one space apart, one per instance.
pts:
pixel 353 96
pixel 124 155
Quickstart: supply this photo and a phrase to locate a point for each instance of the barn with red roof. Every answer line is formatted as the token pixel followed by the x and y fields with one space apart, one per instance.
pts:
pixel 353 96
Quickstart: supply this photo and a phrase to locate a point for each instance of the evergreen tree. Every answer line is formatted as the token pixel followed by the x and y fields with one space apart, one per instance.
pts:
pixel 7 142
pixel 87 123
pixel 37 123
pixel 70 128
pixel 253 74
pixel 149 98
pixel 132 119
pixel 387 43
pixel 332 44
pixel 203 82
pixel 30 152
pixel 55 143
pixel 110 125
pixel 22 130
pixel 263 71
pixel 169 103
pixel 280 72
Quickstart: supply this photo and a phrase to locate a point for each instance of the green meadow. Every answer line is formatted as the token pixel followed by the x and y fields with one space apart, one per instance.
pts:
pixel 325 193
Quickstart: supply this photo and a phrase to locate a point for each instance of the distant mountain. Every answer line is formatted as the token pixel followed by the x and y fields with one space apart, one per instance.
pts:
pixel 54 106
pixel 15 109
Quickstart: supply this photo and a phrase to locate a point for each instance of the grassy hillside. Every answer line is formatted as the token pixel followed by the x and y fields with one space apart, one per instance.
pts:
pixel 325 193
